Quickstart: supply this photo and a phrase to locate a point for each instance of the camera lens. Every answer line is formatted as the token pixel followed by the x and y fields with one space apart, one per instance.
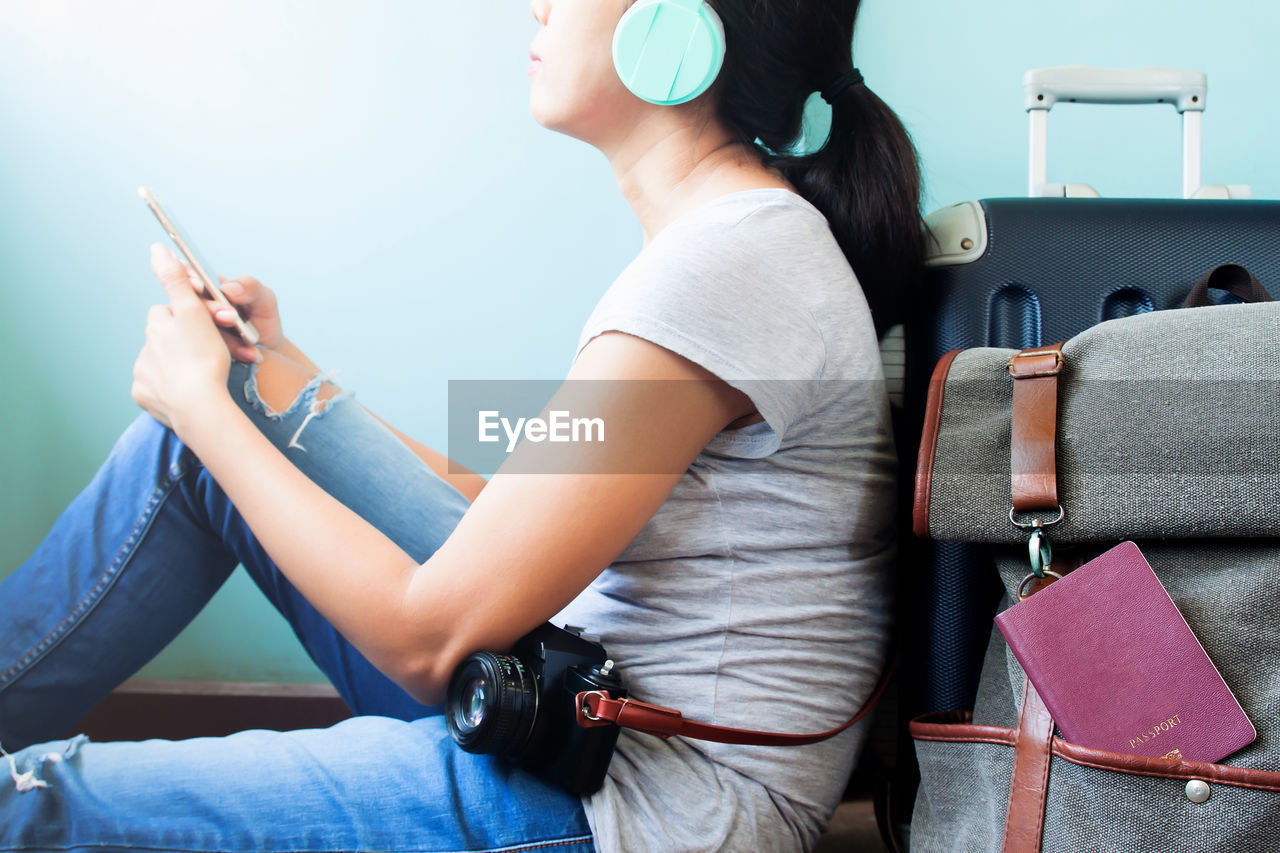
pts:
pixel 492 704
pixel 474 699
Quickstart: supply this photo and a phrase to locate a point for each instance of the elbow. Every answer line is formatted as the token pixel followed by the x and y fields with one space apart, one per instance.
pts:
pixel 425 694
pixel 425 676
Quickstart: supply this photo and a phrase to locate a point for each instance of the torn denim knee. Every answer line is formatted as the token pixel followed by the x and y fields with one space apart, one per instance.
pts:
pixel 305 398
pixel 27 780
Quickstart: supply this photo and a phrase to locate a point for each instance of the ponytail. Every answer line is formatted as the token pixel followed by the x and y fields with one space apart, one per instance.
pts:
pixel 866 181
pixel 866 178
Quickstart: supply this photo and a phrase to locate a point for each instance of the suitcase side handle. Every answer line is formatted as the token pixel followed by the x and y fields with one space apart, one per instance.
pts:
pixel 1232 278
pixel 1042 88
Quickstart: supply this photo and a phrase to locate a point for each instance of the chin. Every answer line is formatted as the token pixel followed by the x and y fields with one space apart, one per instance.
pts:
pixel 538 111
pixel 554 120
pixel 587 115
pixel 541 111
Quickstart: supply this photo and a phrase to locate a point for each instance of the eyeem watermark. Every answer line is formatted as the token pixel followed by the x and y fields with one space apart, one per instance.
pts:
pixel 559 426
pixel 624 426
pixel 533 425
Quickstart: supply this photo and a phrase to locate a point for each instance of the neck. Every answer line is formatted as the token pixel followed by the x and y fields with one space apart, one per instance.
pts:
pixel 668 165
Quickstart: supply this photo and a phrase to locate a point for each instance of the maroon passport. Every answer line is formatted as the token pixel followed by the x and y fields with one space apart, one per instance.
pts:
pixel 1118 666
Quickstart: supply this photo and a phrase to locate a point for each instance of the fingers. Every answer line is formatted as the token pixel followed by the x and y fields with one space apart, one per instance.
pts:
pixel 239 349
pixel 157 314
pixel 225 319
pixel 222 317
pixel 196 284
pixel 242 290
pixel 173 275
pixel 234 291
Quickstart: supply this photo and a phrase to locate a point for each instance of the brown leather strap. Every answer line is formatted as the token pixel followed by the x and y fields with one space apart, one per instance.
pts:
pixel 1024 817
pixel 929 443
pixel 598 708
pixel 958 727
pixel 1033 451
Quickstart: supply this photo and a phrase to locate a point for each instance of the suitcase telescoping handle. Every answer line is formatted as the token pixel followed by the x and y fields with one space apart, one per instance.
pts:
pixel 1044 87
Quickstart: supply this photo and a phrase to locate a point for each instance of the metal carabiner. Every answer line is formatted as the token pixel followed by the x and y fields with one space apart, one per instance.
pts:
pixel 1023 596
pixel 1039 551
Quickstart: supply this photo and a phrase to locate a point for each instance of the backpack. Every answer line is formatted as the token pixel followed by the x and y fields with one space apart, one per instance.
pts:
pixel 1162 428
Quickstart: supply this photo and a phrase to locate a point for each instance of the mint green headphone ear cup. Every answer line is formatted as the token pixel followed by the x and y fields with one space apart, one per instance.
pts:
pixel 669 52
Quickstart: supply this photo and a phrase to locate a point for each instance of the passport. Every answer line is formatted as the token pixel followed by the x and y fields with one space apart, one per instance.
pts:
pixel 1119 667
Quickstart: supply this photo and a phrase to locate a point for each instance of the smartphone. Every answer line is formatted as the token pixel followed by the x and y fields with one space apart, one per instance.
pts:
pixel 204 272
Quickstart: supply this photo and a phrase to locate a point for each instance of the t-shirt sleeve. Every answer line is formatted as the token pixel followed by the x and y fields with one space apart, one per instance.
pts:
pixel 728 305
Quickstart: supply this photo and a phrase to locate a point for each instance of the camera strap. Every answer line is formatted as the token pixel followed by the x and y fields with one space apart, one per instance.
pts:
pixel 598 708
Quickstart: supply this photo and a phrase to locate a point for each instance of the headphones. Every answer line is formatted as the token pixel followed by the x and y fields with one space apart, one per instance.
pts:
pixel 669 52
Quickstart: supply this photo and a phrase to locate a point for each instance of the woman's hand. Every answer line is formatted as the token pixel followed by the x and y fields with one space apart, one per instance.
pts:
pixel 184 364
pixel 257 303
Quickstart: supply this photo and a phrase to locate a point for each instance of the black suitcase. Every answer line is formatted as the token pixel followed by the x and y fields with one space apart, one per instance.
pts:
pixel 1023 272
pixel 1052 268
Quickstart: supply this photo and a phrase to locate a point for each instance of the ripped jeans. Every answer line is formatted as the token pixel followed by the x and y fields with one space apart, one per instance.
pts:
pixel 130 562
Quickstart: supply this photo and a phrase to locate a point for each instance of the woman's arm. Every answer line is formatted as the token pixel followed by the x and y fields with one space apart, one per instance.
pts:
pixel 526 547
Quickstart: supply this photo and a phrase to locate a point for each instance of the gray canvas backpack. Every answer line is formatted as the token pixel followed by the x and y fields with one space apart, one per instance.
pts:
pixel 1164 429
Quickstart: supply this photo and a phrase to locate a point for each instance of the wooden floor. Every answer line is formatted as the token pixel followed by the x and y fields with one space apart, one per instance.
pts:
pixel 143 708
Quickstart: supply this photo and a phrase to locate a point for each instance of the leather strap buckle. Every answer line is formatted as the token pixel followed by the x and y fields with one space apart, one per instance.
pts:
pixel 588 707
pixel 1029 364
pixel 598 708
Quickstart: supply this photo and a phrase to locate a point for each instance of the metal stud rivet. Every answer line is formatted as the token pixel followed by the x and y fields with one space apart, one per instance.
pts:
pixel 1197 790
pixel 966 244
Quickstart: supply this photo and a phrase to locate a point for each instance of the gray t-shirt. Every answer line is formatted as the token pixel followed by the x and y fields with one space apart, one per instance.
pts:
pixel 758 594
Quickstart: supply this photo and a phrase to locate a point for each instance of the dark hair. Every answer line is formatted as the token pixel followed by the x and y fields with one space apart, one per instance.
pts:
pixel 866 179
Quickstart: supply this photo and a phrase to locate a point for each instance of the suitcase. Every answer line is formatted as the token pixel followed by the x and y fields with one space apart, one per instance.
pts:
pixel 1023 272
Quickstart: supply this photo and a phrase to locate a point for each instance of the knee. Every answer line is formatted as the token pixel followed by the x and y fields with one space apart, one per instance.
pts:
pixel 281 381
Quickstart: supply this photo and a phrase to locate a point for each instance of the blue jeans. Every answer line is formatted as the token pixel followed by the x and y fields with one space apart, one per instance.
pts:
pixel 129 563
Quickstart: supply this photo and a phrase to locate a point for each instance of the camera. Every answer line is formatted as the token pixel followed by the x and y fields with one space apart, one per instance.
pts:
pixel 523 706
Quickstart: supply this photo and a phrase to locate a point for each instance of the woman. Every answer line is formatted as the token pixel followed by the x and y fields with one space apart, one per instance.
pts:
pixel 744 584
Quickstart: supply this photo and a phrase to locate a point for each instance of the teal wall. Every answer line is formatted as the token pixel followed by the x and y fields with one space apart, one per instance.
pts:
pixel 375 164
